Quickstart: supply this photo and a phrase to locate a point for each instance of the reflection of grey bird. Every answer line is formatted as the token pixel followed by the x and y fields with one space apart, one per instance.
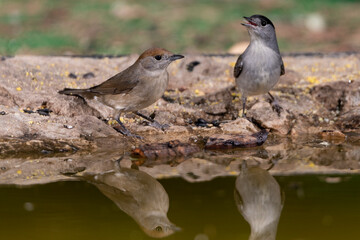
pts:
pixel 259 199
pixel 258 69
pixel 140 196
pixel 135 88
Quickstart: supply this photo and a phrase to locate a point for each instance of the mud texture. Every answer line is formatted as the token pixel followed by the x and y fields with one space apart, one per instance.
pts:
pixel 319 94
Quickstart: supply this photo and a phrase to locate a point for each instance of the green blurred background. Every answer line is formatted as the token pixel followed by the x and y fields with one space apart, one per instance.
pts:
pixel 54 27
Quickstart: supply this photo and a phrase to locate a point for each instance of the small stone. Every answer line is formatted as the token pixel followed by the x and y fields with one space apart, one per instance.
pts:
pixel 72 75
pixel 262 113
pixel 29 111
pixel 44 112
pixel 88 75
pixel 332 135
pixel 239 126
pixel 326 144
pixel 215 123
pixel 201 123
pixel 222 141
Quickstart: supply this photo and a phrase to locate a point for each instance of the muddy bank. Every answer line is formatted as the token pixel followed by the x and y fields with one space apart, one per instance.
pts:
pixel 282 156
pixel 320 96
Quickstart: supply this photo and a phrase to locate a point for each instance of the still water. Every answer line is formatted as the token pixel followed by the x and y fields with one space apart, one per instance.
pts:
pixel 307 207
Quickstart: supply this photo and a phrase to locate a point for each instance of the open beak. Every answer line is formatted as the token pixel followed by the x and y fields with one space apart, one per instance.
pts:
pixel 175 57
pixel 249 23
pixel 175 228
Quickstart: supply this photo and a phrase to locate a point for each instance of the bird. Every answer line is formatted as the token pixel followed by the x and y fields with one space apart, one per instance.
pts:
pixel 260 200
pixel 133 89
pixel 259 68
pixel 137 194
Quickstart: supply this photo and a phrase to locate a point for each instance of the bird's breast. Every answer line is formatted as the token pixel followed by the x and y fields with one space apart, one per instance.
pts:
pixel 262 57
pixel 261 70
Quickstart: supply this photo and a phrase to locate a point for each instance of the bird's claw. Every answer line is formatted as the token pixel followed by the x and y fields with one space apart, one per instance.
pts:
pixel 127 133
pixel 276 106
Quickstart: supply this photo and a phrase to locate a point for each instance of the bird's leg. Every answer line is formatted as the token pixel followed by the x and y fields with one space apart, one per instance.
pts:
pixel 243 99
pixel 275 104
pixel 154 123
pixel 123 129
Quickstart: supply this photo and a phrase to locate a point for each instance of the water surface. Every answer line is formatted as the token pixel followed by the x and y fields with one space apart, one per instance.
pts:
pixel 315 207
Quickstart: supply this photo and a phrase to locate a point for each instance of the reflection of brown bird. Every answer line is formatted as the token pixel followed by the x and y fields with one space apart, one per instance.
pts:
pixel 260 201
pixel 140 196
pixel 135 88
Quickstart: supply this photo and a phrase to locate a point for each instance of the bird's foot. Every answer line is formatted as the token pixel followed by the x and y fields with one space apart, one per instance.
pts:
pixel 273 162
pixel 275 106
pixel 157 125
pixel 250 119
pixel 152 122
pixel 127 133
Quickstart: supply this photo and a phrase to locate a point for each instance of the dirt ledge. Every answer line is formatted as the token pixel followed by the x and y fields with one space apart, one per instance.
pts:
pixel 320 95
pixel 318 92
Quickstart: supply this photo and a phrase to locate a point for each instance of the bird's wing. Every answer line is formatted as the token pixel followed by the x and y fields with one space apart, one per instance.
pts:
pixel 238 66
pixel 238 200
pixel 282 68
pixel 119 196
pixel 122 82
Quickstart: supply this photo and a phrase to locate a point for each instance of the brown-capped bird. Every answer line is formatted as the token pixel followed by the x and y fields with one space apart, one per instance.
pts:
pixel 135 88
pixel 139 195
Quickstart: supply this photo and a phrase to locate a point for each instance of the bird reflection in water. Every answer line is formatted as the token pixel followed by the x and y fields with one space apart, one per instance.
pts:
pixel 260 200
pixel 140 196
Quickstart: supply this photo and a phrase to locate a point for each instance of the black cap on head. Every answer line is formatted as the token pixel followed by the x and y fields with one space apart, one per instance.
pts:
pixel 263 18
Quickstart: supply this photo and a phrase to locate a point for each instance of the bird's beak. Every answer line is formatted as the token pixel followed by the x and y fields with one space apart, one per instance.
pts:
pixel 249 23
pixel 175 228
pixel 175 57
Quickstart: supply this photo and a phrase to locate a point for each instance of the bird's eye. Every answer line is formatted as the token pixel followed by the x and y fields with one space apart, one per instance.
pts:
pixel 263 22
pixel 158 57
pixel 158 229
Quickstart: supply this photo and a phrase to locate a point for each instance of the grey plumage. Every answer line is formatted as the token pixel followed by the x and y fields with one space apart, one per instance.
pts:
pixel 258 69
pixel 260 201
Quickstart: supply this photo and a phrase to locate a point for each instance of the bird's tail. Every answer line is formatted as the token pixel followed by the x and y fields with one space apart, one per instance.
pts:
pixel 73 91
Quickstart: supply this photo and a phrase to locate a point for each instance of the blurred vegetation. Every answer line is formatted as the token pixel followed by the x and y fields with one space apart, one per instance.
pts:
pixel 209 26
